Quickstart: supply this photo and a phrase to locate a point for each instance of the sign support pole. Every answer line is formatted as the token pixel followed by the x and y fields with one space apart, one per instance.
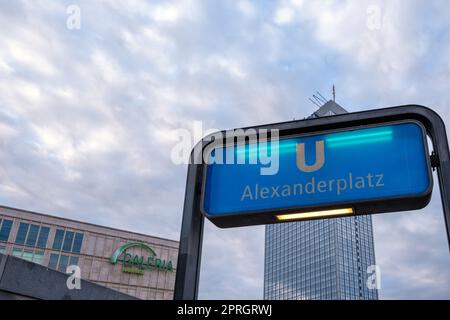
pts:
pixel 438 134
pixel 190 251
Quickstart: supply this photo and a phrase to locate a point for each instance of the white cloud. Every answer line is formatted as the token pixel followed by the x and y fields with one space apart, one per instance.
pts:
pixel 284 15
pixel 247 8
pixel 231 66
pixel 5 68
pixel 166 12
pixel 28 57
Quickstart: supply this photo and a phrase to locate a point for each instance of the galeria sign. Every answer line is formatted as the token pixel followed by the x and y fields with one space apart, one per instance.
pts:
pixel 135 263
pixel 359 170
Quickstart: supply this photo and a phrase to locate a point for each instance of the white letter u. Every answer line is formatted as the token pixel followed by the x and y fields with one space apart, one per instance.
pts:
pixel 320 157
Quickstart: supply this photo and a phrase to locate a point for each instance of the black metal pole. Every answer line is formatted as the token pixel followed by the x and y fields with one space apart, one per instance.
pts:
pixel 189 254
pixel 438 134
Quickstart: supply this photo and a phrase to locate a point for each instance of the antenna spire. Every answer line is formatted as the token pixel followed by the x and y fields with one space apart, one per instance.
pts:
pixel 334 93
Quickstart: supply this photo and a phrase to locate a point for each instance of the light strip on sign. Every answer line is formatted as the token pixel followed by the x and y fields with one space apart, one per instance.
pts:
pixel 369 136
pixel 359 141
pixel 315 214
pixel 370 133
pixel 334 140
pixel 281 147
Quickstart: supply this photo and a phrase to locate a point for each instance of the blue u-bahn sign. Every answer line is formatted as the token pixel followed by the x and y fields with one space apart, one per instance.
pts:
pixel 360 170
pixel 352 164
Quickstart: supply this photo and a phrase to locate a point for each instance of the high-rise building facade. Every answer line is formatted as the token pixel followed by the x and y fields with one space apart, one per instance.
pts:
pixel 320 259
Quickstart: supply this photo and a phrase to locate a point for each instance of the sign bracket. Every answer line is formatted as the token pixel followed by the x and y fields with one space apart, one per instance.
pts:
pixel 434 160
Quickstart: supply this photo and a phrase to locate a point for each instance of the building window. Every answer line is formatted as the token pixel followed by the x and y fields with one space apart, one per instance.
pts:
pixel 29 255
pixel 38 257
pixel 77 243
pixel 68 241
pixel 5 229
pixel 65 241
pixel 43 236
pixel 2 250
pixel 73 261
pixel 53 262
pixel 22 233
pixel 59 235
pixel 32 235
pixel 17 252
pixel 61 262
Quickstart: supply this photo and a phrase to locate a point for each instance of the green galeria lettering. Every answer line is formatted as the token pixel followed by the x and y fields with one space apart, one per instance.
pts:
pixel 136 264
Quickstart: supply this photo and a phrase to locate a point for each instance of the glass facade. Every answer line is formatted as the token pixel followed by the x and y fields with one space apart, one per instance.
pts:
pixel 68 241
pixel 319 260
pixel 57 242
pixel 32 235
pixel 53 262
pixel 61 262
pixel 36 256
pixel 30 241
pixel 43 237
pixel 65 242
pixel 22 233
pixel 78 241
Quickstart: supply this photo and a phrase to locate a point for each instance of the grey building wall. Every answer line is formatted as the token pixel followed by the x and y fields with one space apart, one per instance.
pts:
pixel 24 280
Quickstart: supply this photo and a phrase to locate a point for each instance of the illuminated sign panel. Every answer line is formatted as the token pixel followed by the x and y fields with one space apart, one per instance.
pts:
pixel 360 170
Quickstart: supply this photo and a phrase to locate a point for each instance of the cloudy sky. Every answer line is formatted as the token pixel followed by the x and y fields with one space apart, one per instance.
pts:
pixel 88 114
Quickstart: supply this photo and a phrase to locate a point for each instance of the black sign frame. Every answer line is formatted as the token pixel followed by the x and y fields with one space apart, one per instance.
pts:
pixel 189 254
